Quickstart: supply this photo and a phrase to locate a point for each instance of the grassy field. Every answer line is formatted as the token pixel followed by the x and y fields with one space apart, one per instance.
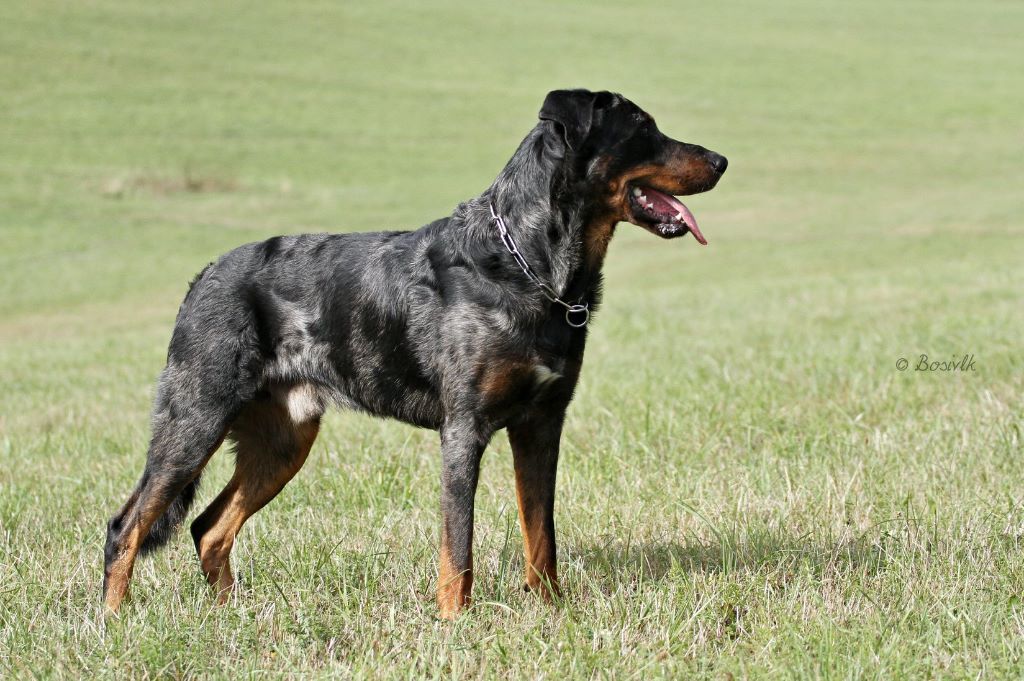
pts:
pixel 749 487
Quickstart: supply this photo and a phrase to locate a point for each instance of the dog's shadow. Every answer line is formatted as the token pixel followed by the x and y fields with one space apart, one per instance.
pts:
pixel 616 560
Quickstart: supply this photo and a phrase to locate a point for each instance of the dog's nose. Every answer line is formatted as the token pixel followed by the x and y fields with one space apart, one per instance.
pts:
pixel 718 162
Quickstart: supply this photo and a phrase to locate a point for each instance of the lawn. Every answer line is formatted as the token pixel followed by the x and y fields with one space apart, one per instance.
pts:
pixel 749 485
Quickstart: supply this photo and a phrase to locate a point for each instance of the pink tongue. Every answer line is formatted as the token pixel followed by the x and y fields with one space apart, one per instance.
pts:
pixel 666 204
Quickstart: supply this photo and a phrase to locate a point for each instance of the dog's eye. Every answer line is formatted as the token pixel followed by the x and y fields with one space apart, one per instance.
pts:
pixel 642 125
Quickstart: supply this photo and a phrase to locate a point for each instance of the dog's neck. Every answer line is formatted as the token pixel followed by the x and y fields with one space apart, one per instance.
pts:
pixel 560 236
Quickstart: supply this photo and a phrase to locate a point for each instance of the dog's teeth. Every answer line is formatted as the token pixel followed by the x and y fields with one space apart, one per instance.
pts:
pixel 679 215
pixel 636 191
pixel 642 197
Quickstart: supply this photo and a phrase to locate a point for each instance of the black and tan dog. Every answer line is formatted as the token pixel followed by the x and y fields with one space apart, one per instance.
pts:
pixel 470 324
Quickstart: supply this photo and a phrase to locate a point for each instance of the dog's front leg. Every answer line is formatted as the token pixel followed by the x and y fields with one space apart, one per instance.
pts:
pixel 462 445
pixel 535 453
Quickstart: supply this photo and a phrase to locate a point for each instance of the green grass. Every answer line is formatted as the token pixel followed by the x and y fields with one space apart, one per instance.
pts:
pixel 749 487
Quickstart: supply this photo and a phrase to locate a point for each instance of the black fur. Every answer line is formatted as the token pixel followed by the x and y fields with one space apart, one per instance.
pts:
pixel 162 530
pixel 436 327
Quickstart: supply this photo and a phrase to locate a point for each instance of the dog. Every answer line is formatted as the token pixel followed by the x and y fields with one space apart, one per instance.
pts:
pixel 470 324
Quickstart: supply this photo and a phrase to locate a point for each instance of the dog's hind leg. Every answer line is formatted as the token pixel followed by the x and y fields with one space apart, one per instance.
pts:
pixel 272 438
pixel 198 396
pixel 177 453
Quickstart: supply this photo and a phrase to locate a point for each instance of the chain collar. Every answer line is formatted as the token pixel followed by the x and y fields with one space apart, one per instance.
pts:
pixel 581 313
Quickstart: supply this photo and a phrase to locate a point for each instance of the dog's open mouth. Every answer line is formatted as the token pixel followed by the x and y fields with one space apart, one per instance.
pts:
pixel 663 214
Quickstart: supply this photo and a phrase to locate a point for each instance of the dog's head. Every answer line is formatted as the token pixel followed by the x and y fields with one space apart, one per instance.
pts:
pixel 629 170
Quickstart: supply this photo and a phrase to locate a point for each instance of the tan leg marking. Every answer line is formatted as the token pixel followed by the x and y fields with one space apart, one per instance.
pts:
pixel 454 586
pixel 141 519
pixel 270 450
pixel 538 542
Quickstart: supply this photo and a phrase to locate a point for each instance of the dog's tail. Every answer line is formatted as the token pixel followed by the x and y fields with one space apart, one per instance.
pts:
pixel 162 530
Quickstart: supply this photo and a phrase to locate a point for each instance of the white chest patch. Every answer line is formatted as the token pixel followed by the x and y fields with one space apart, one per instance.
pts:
pixel 544 376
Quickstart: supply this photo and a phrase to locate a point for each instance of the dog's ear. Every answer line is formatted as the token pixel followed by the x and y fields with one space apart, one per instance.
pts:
pixel 573 111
